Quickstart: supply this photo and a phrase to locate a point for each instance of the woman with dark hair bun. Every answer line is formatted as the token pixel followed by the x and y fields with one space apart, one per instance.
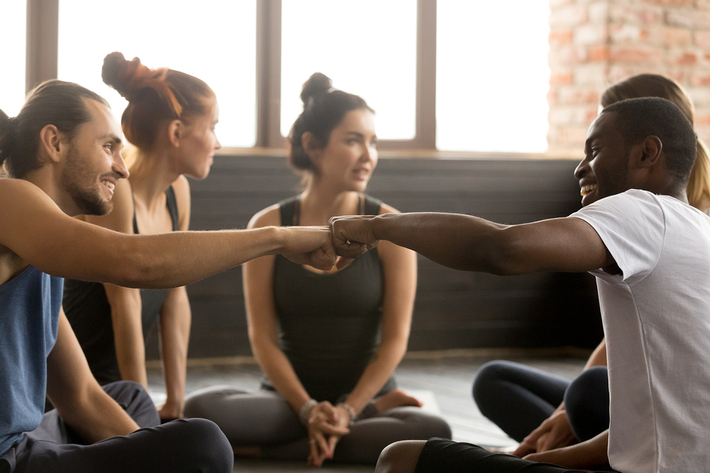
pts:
pixel 327 342
pixel 170 121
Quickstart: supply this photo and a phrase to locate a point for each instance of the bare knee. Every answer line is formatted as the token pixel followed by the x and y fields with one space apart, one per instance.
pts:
pixel 400 457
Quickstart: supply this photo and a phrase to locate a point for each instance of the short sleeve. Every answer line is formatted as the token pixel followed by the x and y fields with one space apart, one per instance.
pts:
pixel 632 227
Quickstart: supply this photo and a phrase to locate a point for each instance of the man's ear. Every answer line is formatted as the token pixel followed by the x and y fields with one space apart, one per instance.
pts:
pixel 52 143
pixel 176 131
pixel 651 150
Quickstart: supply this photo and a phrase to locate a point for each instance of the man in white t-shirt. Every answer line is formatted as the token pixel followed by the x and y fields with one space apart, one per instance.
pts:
pixel 650 253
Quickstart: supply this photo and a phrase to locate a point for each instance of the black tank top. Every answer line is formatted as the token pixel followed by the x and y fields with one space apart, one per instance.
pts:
pixel 329 324
pixel 89 313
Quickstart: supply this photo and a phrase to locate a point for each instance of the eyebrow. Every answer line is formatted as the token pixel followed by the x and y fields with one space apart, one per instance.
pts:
pixel 111 137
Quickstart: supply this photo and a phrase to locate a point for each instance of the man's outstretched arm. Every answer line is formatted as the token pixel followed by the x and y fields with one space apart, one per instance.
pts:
pixel 474 244
pixel 33 227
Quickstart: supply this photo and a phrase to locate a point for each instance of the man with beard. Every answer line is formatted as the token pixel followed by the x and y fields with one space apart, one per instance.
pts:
pixel 650 253
pixel 62 155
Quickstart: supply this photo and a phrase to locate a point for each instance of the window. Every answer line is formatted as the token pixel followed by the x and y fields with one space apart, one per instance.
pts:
pixel 13 21
pixel 215 42
pixel 367 48
pixel 492 75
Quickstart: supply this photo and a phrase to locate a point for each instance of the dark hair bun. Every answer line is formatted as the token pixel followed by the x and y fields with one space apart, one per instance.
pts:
pixel 316 85
pixel 114 73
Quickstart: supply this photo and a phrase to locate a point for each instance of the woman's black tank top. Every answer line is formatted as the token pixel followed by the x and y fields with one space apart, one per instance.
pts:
pixel 89 313
pixel 329 324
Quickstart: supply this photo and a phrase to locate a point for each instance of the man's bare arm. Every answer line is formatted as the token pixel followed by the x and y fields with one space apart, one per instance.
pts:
pixel 35 229
pixel 474 244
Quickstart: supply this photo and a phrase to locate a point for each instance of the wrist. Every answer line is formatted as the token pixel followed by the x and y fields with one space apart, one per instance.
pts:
pixel 349 409
pixel 305 412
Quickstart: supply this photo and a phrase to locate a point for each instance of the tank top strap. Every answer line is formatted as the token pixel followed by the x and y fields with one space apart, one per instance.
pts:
pixel 372 205
pixel 170 203
pixel 290 211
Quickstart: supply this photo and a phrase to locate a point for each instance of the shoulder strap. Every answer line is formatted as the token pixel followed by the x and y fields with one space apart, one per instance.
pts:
pixel 171 202
pixel 290 210
pixel 372 205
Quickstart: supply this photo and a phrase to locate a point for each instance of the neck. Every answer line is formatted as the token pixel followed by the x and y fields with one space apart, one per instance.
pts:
pixel 48 178
pixel 151 176
pixel 320 202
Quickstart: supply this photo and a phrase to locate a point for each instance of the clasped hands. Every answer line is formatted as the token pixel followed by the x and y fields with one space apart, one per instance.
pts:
pixel 324 247
pixel 327 424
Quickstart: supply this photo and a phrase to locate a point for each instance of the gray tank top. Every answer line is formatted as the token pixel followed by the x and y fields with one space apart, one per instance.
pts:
pixel 89 313
pixel 329 324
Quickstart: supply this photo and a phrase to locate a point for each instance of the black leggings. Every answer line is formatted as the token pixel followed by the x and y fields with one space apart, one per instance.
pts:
pixel 445 456
pixel 193 445
pixel 518 398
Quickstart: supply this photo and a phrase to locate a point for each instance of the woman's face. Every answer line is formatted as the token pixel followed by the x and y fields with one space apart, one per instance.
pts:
pixel 350 156
pixel 200 142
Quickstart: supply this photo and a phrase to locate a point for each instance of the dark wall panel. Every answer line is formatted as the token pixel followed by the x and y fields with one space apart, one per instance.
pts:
pixel 454 309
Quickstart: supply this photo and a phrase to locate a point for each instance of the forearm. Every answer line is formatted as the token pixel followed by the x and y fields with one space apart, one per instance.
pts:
pixel 280 372
pixel 175 321
pixel 98 417
pixel 453 240
pixel 588 455
pixel 128 334
pixel 383 363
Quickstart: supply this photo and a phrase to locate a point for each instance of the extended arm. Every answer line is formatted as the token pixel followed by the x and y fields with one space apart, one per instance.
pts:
pixel 474 244
pixel 40 233
pixel 81 402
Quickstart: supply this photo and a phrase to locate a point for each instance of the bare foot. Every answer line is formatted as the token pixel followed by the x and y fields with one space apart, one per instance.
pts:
pixel 395 398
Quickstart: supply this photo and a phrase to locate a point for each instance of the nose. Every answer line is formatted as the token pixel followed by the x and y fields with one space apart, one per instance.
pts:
pixel 119 167
pixel 370 153
pixel 217 144
pixel 582 169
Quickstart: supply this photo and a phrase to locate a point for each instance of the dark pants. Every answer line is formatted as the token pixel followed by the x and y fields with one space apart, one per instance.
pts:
pixel 194 445
pixel 518 398
pixel 445 456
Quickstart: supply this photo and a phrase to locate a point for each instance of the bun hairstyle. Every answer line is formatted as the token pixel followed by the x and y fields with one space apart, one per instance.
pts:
pixel 323 109
pixel 654 85
pixel 155 97
pixel 53 102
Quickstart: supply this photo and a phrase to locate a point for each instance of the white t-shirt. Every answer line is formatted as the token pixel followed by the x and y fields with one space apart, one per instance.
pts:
pixel 656 318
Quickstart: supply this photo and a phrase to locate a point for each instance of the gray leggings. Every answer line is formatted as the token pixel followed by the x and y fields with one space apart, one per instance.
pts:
pixel 266 420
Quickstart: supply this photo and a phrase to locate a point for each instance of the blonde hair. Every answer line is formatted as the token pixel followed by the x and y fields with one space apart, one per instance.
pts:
pixel 654 85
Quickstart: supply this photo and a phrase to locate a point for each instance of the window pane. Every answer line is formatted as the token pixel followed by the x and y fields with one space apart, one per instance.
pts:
pixel 214 40
pixel 492 75
pixel 13 24
pixel 367 47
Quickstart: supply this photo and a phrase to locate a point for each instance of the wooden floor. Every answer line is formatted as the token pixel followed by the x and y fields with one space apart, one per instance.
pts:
pixel 442 379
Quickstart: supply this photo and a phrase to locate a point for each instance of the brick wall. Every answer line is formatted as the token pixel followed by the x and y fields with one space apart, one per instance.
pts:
pixel 595 43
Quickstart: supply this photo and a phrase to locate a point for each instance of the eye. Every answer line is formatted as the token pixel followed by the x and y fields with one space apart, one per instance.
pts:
pixel 109 147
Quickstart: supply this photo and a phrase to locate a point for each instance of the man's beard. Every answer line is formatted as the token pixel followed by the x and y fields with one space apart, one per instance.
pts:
pixel 76 179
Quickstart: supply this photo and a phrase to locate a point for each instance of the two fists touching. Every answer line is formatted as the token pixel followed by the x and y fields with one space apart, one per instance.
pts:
pixel 324 247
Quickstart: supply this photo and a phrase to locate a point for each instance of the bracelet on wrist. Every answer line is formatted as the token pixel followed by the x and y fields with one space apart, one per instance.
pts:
pixel 350 411
pixel 305 411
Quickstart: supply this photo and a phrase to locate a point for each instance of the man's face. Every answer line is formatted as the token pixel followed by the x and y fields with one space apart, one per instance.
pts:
pixel 605 168
pixel 93 163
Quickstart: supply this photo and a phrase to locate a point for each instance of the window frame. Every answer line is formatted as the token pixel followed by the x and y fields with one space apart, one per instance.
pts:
pixel 42 52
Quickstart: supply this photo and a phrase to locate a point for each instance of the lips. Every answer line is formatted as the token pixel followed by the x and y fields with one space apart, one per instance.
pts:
pixel 111 186
pixel 584 190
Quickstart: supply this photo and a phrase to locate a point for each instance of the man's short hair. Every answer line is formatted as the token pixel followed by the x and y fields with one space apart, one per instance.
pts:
pixel 639 118
pixel 53 102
